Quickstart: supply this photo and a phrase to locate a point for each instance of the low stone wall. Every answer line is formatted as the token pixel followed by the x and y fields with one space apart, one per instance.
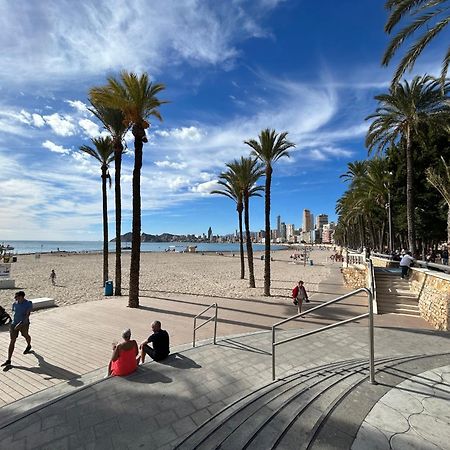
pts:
pixel 382 262
pixel 433 291
pixel 355 277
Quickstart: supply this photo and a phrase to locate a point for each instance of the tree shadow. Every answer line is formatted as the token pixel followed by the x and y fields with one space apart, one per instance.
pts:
pixel 51 371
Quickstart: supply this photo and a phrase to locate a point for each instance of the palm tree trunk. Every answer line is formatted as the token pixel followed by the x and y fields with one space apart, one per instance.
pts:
pixel 251 274
pixel 410 195
pixel 448 224
pixel 267 239
pixel 239 208
pixel 118 198
pixel 105 224
pixel 133 299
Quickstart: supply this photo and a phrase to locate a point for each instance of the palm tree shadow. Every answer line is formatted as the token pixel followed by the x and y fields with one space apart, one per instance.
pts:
pixel 51 371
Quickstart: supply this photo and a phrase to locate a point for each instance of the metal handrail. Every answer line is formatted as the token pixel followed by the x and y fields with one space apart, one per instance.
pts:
pixel 204 323
pixel 328 327
pixel 419 262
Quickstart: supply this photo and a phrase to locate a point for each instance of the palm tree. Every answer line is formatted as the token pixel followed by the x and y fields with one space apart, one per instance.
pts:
pixel 432 16
pixel 398 119
pixel 113 121
pixel 248 172
pixel 270 148
pixel 136 97
pixel 104 153
pixel 231 189
pixel 442 183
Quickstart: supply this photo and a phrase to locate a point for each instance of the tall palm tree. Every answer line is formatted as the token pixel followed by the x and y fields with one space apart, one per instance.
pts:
pixel 113 121
pixel 441 182
pixel 398 119
pixel 269 148
pixel 248 171
pixel 136 97
pixel 230 188
pixel 104 153
pixel 431 16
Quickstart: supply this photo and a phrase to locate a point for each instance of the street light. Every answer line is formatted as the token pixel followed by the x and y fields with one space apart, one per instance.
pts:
pixel 388 206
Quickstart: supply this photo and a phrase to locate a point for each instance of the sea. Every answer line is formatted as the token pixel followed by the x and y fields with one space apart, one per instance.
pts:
pixel 25 247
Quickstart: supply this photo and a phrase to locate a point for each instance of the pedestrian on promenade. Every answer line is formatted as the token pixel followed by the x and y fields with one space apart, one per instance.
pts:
pixel 444 256
pixel 53 276
pixel 21 309
pixel 405 263
pixel 159 341
pixel 299 295
pixel 123 359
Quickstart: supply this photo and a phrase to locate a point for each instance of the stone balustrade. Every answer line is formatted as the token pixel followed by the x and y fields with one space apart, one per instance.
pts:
pixel 355 277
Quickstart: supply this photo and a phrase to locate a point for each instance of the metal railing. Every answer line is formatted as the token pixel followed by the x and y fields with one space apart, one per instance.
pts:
pixel 328 327
pixel 214 317
pixel 424 264
pixel 371 284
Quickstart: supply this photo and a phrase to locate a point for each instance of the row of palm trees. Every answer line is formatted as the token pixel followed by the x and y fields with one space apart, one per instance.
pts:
pixel 123 103
pixel 239 183
pixel 403 117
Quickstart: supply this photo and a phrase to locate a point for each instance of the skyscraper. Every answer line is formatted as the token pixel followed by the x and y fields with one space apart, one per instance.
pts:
pixel 321 220
pixel 209 234
pixel 278 226
pixel 307 222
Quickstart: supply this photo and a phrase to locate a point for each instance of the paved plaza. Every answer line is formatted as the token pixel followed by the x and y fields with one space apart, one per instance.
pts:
pixel 57 397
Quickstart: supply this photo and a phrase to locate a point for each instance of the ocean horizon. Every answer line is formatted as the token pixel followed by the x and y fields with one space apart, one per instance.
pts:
pixel 25 247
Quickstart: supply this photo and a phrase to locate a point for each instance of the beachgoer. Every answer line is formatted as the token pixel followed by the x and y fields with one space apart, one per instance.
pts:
pixel 21 309
pixel 405 263
pixel 53 276
pixel 299 294
pixel 123 360
pixel 444 256
pixel 5 318
pixel 160 344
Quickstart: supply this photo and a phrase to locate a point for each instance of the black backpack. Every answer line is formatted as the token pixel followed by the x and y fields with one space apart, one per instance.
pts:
pixel 5 318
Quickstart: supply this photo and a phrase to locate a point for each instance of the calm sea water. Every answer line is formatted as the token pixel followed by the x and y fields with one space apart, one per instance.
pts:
pixel 22 247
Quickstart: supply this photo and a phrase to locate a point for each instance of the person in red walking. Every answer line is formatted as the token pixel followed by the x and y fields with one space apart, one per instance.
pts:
pixel 299 294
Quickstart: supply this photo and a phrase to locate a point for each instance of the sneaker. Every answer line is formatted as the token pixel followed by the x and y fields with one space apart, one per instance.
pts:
pixel 295 302
pixel 307 301
pixel 6 363
pixel 27 350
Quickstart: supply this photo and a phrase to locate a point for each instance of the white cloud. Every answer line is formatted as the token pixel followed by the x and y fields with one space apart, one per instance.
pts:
pixel 90 128
pixel 205 188
pixel 61 125
pixel 173 165
pixel 38 120
pixel 55 147
pixel 79 106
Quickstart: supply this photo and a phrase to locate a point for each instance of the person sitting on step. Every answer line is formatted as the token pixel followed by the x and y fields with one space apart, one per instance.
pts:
pixel 123 359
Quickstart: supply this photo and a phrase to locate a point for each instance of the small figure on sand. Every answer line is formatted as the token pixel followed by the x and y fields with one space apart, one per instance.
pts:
pixel 21 309
pixel 160 344
pixel 53 277
pixel 299 294
pixel 123 359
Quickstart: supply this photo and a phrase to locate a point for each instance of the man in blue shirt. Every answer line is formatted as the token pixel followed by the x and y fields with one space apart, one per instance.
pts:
pixel 21 309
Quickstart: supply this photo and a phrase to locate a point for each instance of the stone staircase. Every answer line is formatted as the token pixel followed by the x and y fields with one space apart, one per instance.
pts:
pixel 394 294
pixel 301 411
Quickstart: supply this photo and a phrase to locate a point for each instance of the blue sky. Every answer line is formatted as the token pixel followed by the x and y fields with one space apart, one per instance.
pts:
pixel 231 68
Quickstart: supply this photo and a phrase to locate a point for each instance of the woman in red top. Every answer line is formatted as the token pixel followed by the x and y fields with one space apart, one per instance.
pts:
pixel 123 360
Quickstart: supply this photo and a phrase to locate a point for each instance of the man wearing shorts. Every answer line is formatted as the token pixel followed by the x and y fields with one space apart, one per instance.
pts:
pixel 159 341
pixel 21 309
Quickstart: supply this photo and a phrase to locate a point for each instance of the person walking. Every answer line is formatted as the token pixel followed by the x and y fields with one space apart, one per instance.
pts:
pixel 21 309
pixel 444 256
pixel 53 277
pixel 405 263
pixel 299 295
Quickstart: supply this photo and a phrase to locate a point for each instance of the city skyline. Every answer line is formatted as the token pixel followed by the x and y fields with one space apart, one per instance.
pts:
pixel 230 71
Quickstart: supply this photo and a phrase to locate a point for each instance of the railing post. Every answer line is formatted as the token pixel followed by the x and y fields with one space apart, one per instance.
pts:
pixel 193 339
pixel 215 325
pixel 371 341
pixel 273 353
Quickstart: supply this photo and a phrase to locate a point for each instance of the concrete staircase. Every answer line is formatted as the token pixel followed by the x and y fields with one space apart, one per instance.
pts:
pixel 394 294
pixel 302 411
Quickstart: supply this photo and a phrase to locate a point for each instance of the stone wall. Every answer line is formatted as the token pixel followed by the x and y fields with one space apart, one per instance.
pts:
pixel 382 262
pixel 433 291
pixel 355 277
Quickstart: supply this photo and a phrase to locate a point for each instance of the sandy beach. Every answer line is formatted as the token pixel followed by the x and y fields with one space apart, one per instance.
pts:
pixel 79 275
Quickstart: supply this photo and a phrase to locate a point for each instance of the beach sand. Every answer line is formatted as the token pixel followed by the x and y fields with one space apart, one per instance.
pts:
pixel 79 276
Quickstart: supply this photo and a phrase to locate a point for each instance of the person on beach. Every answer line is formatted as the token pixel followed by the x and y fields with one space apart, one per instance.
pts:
pixel 123 359
pixel 299 294
pixel 53 277
pixel 21 309
pixel 159 341
pixel 405 264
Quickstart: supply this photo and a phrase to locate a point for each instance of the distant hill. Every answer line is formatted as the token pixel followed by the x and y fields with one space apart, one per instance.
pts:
pixel 165 237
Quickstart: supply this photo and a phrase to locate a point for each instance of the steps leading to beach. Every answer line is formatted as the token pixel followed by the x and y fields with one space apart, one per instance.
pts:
pixel 394 294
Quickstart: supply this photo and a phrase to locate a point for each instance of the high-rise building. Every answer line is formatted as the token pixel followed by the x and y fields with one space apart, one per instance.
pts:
pixel 290 232
pixel 278 226
pixel 307 220
pixel 283 231
pixel 210 234
pixel 321 220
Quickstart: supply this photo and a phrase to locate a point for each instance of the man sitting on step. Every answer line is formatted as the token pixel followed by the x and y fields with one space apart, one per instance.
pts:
pixel 160 344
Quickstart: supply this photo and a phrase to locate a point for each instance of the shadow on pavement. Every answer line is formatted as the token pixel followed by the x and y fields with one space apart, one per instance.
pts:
pixel 180 361
pixel 240 346
pixel 53 372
